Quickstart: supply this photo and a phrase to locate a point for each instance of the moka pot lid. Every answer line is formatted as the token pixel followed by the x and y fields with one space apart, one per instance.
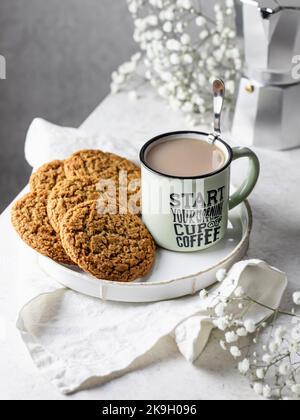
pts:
pixel 271 7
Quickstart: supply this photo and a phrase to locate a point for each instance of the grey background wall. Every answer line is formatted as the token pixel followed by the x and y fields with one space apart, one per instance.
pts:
pixel 60 54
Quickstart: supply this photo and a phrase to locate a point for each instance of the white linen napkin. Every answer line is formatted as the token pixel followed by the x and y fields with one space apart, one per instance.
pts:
pixel 46 141
pixel 79 342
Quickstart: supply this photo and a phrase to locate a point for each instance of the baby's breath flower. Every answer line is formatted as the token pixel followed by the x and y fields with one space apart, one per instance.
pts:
pixel 284 368
pixel 239 292
pixel 222 323
pixel 258 388
pixel 267 358
pixel 200 21
pixel 148 75
pixel 260 373
pixel 169 14
pixel 235 352
pixel 244 366
pixel 296 298
pixel 220 309
pixel 203 34
pixel 168 33
pixel 250 326
pixel 173 45
pixel 188 59
pixel 231 337
pixel 133 8
pixel 185 39
pixel 273 347
pixel 203 294
pixel 152 20
pixel 267 391
pixel 185 4
pixel 242 332
pixel 179 27
pixel 168 27
pixel 221 275
pixel 174 59
pixel 280 332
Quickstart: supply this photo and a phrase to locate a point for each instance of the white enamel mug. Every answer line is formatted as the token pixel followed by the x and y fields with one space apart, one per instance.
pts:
pixel 188 214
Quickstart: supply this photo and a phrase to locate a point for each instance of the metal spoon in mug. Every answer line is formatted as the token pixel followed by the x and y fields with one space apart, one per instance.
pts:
pixel 219 96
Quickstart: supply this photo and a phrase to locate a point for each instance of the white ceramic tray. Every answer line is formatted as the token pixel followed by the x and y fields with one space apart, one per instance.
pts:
pixel 174 274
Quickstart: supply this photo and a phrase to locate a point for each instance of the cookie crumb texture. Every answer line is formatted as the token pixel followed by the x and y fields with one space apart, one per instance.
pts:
pixel 98 165
pixel 68 194
pixel 110 247
pixel 30 220
pixel 46 177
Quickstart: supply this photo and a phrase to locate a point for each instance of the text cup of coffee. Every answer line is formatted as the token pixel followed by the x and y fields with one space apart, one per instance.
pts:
pixel 186 188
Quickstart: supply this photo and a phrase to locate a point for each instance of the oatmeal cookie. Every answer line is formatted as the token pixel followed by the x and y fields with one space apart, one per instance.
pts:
pixel 112 197
pixel 30 220
pixel 46 177
pixel 110 247
pixel 68 194
pixel 98 165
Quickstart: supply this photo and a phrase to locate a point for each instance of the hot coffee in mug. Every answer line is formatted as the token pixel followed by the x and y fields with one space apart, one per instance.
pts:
pixel 185 189
pixel 185 157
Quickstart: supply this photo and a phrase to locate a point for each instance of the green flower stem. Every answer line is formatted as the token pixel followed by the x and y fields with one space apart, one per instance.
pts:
pixel 278 311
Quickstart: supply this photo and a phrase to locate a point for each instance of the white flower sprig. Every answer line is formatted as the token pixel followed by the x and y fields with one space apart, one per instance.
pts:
pixel 273 366
pixel 182 51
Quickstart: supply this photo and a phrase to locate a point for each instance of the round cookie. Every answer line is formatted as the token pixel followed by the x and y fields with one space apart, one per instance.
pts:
pixel 110 247
pixel 98 165
pixel 67 194
pixel 111 198
pixel 46 177
pixel 30 220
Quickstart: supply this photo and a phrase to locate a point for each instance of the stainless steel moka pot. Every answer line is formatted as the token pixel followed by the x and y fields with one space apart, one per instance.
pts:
pixel 268 105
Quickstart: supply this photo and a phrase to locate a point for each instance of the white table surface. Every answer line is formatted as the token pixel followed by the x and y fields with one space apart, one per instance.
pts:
pixel 275 238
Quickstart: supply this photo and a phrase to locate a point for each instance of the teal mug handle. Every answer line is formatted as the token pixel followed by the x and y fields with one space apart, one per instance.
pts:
pixel 248 185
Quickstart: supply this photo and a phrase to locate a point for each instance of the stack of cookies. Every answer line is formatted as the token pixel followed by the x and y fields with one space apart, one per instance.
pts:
pixel 72 217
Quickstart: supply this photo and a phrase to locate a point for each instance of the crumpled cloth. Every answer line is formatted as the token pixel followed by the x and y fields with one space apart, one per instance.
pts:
pixel 46 141
pixel 78 342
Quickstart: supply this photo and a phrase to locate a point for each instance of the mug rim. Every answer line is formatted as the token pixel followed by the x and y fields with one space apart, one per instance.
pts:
pixel 184 132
